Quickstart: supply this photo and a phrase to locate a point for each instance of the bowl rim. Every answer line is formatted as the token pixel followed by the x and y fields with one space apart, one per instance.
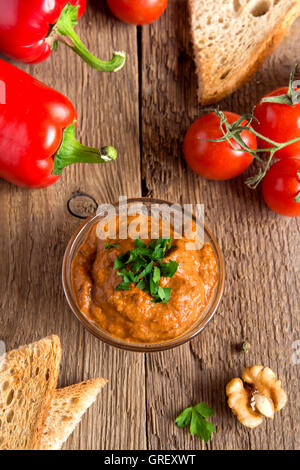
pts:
pixel 102 335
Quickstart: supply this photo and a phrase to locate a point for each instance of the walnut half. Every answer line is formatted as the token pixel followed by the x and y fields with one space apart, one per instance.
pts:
pixel 258 395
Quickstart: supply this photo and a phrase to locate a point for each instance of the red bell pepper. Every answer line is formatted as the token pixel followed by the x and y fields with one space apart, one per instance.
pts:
pixel 37 132
pixel 31 29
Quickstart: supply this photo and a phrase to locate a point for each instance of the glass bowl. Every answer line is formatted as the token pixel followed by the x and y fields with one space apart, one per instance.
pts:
pixel 71 250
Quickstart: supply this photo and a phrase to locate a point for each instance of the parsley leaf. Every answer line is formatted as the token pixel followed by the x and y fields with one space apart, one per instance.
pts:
pixel 156 274
pixel 164 294
pixel 195 417
pixel 147 270
pixel 153 287
pixel 137 265
pixel 204 410
pixel 120 261
pixel 139 243
pixel 124 285
pixel 127 276
pixel 168 269
pixel 143 285
pixel 184 418
pixel 108 246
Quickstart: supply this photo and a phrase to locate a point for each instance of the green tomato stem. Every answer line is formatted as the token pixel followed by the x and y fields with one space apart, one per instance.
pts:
pixel 285 98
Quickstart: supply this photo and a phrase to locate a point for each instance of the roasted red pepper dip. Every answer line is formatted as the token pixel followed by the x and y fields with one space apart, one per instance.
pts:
pixel 132 315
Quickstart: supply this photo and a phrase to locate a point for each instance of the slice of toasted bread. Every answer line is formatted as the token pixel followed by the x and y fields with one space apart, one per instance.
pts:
pixel 67 408
pixel 232 38
pixel 28 378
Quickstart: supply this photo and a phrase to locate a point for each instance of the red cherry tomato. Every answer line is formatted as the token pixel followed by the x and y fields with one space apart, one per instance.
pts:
pixel 281 185
pixel 278 122
pixel 137 12
pixel 216 160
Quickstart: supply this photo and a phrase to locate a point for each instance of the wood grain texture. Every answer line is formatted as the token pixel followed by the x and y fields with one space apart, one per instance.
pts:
pixel 261 300
pixel 136 409
pixel 35 229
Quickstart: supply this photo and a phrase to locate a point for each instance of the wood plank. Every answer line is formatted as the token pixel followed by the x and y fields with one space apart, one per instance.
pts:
pixel 261 300
pixel 35 228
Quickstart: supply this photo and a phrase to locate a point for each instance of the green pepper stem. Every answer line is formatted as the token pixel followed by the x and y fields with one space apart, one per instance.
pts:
pixel 63 31
pixel 71 151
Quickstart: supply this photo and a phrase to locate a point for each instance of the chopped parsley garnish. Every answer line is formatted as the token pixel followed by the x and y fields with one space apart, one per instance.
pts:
pixel 143 267
pixel 195 417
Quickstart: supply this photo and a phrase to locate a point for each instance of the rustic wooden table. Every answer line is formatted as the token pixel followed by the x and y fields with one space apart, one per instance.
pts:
pixel 144 111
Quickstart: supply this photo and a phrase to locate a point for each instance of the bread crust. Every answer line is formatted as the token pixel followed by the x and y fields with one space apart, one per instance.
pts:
pixel 52 382
pixel 37 363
